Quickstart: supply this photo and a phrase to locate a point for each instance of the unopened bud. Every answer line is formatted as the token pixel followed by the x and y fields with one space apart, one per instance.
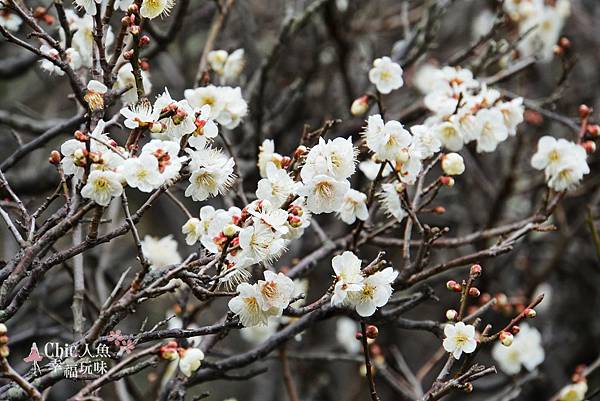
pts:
pixel 557 50
pixel 3 329
pixel 372 331
pixel 135 30
pixel 515 330
pixel 132 9
pixel 447 181
pixel 453 164
pixel 300 151
pixel 169 351
pixel 506 338
pixel 468 388
pixel 476 270
pixel 125 21
pixel 584 111
pixel 564 42
pixel 145 64
pixel 144 41
pixel 4 351
pixel 530 313
pixel 294 222
pixel 54 157
pixel 80 136
pixel 439 210
pixel 450 284
pixel 229 230
pixel 360 106
pixel 156 128
pixel 358 335
pixel 593 129
pixel 285 161
pixel 501 299
pixel 474 292
pixel 589 146
pixel 451 314
pixel 128 55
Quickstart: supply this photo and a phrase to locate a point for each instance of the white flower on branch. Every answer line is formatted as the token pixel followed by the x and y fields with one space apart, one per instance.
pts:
pixel 276 187
pixel 166 152
pixel 335 158
pixel 388 139
pixel 247 306
pixel 161 252
pixel 563 162
pixel 324 194
pixel 102 186
pixel 204 128
pixel 386 75
pixel 276 291
pixel 375 291
pixel 154 8
pixel 228 107
pixel 190 361
pixel 266 155
pixel 574 392
pixel 390 200
pixel 354 207
pixel 492 130
pixel 348 276
pixel 260 243
pixel 453 164
pixel 459 338
pixel 526 350
pixel 10 21
pixel 89 6
pixel 142 172
pixel 212 173
pixel 425 141
pixel 192 229
pixel 139 115
pixel 181 117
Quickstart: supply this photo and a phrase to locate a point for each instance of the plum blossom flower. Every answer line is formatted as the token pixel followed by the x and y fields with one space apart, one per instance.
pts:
pixel 10 21
pixel 276 187
pixel 450 135
pixel 102 186
pixel 354 207
pixel 453 164
pixel 386 75
pixel 154 8
pixel 374 292
pixel 125 79
pixel 266 155
pixel 276 291
pixel 390 199
pixel 142 172
pixel 228 106
pixel 345 335
pixel 205 128
pixel 563 162
pixel 161 252
pixel 139 115
pixel 324 194
pixel 348 276
pixel 493 130
pixel 260 243
pixel 459 338
pixel 335 158
pixel 212 173
pixel 387 140
pixel 525 351
pixel 192 230
pixel 574 392
pixel 190 361
pixel 247 306
pixel 181 120
pixel 425 141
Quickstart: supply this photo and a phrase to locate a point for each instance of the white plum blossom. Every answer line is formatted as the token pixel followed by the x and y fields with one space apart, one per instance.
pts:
pixel 574 392
pixel 493 130
pixel 212 173
pixel 89 6
pixel 526 351
pixel 228 107
pixel 247 307
pixel 324 194
pixel 205 128
pixel 181 119
pixel 370 168
pixel 390 199
pixel 276 187
pixel 102 186
pixel 453 164
pixel 450 135
pixel 161 252
pixel 387 140
pixel 139 115
pixel 386 75
pixel 425 140
pixel 276 291
pixel 259 243
pixel 154 8
pixel 192 230
pixel 166 152
pixel 10 20
pixel 459 338
pixel 228 66
pixel 266 155
pixel 258 334
pixel 142 172
pixel 348 276
pixel 375 291
pixel 335 158
pixel 190 361
pixel 353 207
pixel 563 162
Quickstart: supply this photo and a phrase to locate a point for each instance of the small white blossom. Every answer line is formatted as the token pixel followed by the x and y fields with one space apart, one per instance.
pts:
pixel 139 115
pixel 386 75
pixel 453 164
pixel 354 207
pixel 459 338
pixel 449 134
pixel 102 186
pixel 324 194
pixel 345 334
pixel 526 350
pixel 493 130
pixel 192 230
pixel 276 187
pixel 335 158
pixel 574 392
pixel 348 276
pixel 425 140
pixel 275 292
pixel 390 199
pixel 190 361
pixel 247 306
pixel 387 140
pixel 154 8
pixel 10 21
pixel 375 292
pixel 142 172
pixel 161 252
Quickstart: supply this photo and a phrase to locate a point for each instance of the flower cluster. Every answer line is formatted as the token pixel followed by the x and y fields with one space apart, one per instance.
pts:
pixel 466 110
pixel 563 162
pixel 363 293
pixel 540 23
pixel 256 303
pixel 526 350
